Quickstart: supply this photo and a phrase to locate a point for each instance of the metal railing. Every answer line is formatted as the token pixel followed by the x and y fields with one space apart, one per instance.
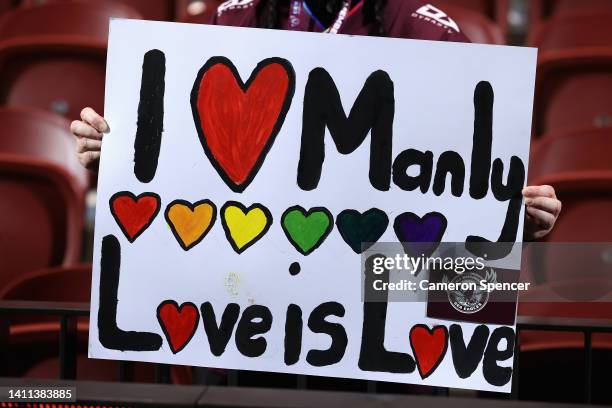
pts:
pixel 68 313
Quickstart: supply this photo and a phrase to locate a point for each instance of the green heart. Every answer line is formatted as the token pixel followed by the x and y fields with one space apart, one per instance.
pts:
pixel 306 230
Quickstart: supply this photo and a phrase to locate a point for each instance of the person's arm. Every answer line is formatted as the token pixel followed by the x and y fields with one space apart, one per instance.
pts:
pixel 89 131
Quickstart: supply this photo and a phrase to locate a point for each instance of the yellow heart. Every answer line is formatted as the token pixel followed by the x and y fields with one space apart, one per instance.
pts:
pixel 244 226
pixel 190 222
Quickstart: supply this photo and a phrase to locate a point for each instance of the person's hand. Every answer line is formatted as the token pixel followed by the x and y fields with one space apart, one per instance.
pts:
pixel 88 132
pixel 541 211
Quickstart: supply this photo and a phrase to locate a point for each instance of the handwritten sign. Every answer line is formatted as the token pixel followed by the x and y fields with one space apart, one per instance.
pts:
pixel 245 170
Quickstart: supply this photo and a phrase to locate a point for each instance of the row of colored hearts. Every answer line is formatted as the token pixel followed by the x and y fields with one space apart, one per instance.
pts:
pixel 305 229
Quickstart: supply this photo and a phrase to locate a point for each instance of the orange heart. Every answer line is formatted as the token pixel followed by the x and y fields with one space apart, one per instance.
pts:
pixel 190 222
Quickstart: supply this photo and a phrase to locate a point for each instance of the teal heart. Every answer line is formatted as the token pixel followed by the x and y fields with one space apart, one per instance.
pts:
pixel 359 229
pixel 306 230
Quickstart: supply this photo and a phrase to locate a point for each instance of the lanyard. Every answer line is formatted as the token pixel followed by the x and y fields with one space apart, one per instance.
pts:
pixel 298 5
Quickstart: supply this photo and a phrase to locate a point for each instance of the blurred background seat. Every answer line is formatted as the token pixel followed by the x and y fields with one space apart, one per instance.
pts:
pixel 552 363
pixel 566 155
pixel 495 10
pixel 78 18
pixel 541 10
pixel 50 53
pixel 477 27
pixel 577 164
pixel 575 276
pixel 42 188
pixel 33 350
pixel 163 10
pixel 584 29
pixel 160 10
pixel 6 5
pixel 573 90
pixel 574 78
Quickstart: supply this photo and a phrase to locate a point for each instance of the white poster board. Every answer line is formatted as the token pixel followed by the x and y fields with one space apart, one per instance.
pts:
pixel 154 251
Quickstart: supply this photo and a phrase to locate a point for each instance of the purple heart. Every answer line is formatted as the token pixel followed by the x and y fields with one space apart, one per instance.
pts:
pixel 420 236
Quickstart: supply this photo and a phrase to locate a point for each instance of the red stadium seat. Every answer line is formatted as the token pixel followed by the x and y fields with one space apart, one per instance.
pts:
pixel 572 157
pixel 80 18
pixel 50 54
pixel 593 29
pixel 65 284
pixel 494 10
pixel 475 26
pixel 162 10
pixel 566 299
pixel 544 9
pixel 550 359
pixel 60 284
pixel 584 222
pixel 5 5
pixel 578 297
pixel 42 188
pixel 573 90
pixel 578 165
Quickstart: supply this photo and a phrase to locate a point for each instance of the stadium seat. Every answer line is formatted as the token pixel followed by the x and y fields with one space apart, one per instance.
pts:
pixel 494 10
pixel 59 284
pixel 572 157
pixel 49 54
pixel 579 297
pixel 27 333
pixel 577 163
pixel 79 18
pixel 573 90
pixel 42 188
pixel 162 10
pixel 586 29
pixel 5 5
pixel 580 234
pixel 549 359
pixel 475 26
pixel 544 9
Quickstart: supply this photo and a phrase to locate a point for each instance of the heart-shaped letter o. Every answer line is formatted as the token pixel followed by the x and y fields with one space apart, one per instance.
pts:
pixel 237 122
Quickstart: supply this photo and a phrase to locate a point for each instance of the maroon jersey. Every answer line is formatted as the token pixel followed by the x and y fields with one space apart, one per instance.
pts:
pixel 413 19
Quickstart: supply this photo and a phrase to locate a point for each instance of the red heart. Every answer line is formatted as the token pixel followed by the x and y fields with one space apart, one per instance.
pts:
pixel 134 214
pixel 178 323
pixel 428 347
pixel 237 122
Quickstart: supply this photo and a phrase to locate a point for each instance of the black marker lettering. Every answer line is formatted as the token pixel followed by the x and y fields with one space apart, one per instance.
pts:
pixel 339 340
pixel 109 334
pixel 293 334
pixel 373 355
pixel 467 358
pixel 404 161
pixel 493 373
pixel 150 123
pixel 373 110
pixel 218 336
pixel 256 319
pixel 449 163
